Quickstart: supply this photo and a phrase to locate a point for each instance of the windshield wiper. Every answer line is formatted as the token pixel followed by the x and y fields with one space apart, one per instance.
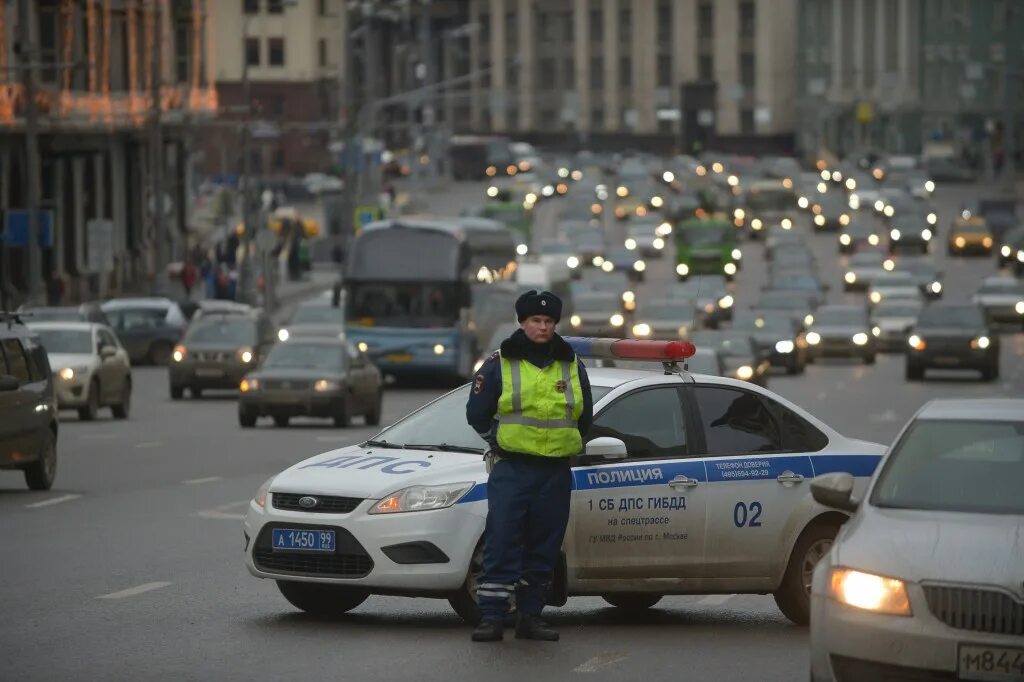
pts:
pixel 382 444
pixel 444 447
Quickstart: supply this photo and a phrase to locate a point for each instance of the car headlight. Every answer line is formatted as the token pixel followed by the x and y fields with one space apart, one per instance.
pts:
pixel 639 266
pixel 628 297
pixel 729 268
pixel 808 320
pixel 873 239
pixel 981 342
pixel 987 242
pixel 622 191
pixel 844 219
pixel 657 201
pixel 936 287
pixel 683 269
pixel 879 205
pixel 363 347
pixel 819 220
pixel 1005 251
pixel 282 334
pixel 658 243
pixel 607 266
pixel 876 331
pixel 575 320
pixel 802 202
pixel 889 211
pixel 870 592
pixel 179 353
pixel 895 235
pixel 1020 255
pixel 932 218
pixel 439 349
pixel 725 302
pixel 850 277
pixel 617 320
pixel 324 385
pixel 260 498
pixel 844 239
pixel 630 243
pixel 916 342
pixel 875 296
pixel 668 176
pixel 522 249
pixel 573 262
pixel 784 346
pixel 598 261
pixel 421 498
pixel 739 214
pixel 247 385
pixel 736 254
pixel 888 265
pixel 745 372
pixel 926 234
pixel 813 338
pixel 860 338
pixel 1019 307
pixel 756 224
pixel 641 329
pixel 786 223
pixel 246 355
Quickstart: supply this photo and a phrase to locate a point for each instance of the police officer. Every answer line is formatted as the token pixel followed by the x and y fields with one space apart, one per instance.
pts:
pixel 531 402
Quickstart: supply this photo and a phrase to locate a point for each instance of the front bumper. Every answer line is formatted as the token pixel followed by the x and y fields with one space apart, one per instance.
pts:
pixel 454 531
pixel 961 358
pixel 71 394
pixel 207 375
pixel 841 347
pixel 970 248
pixel 296 404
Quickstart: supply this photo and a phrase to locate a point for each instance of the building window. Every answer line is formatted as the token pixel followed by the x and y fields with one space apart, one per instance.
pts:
pixel 747 72
pixel 275 49
pixel 252 51
pixel 596 24
pixel 322 52
pixel 485 28
pixel 275 6
pixel 747 19
pixel 182 51
pixel 747 121
pixel 705 67
pixel 664 70
pixel 664 22
pixel 547 73
pixel 278 158
pixel 705 19
pixel 250 6
pixel 625 72
pixel 597 119
pixel 48 18
pixel 570 73
pixel 511 31
pixel 625 24
pixel 596 72
pixel 322 8
pixel 547 29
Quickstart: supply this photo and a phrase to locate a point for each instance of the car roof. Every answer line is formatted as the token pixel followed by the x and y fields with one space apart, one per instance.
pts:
pixel 983 409
pixel 151 302
pixel 73 325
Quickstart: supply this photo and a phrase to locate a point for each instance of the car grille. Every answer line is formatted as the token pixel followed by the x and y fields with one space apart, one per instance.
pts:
pixel 946 344
pixel 349 560
pixel 857 670
pixel 326 504
pixel 285 384
pixel 980 610
pixel 212 356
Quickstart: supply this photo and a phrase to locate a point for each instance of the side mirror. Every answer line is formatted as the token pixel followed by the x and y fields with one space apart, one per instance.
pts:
pixel 108 352
pixel 8 383
pixel 834 490
pixel 607 448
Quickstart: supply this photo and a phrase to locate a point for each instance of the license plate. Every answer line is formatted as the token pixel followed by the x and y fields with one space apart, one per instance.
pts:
pixel 947 360
pixel 292 539
pixel 995 663
pixel 399 357
pixel 210 373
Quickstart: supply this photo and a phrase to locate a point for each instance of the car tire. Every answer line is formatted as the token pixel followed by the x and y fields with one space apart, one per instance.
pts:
pixel 794 594
pixel 915 373
pixel 870 359
pixel 794 367
pixel 342 418
pixel 92 403
pixel 246 419
pixel 177 392
pixel 281 421
pixel 464 600
pixel 990 373
pixel 632 602
pixel 196 393
pixel 319 599
pixel 40 474
pixel 372 417
pixel 159 353
pixel 122 409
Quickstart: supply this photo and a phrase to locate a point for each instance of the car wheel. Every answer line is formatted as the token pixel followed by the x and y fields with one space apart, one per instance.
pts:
pixel 39 475
pixel 123 408
pixel 373 416
pixel 632 602
pixel 464 600
pixel 159 353
pixel 794 367
pixel 321 600
pixel 92 403
pixel 915 373
pixel 246 419
pixel 177 392
pixel 281 421
pixel 196 393
pixel 342 418
pixel 794 594
pixel 990 373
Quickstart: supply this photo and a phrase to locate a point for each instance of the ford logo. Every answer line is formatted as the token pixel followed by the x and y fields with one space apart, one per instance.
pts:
pixel 308 502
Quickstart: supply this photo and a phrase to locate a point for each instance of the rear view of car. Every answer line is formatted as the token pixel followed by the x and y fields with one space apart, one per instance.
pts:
pixel 217 351
pixel 149 328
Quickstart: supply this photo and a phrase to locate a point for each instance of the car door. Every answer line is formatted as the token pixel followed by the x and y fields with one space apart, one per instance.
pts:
pixel 19 414
pixel 10 424
pixel 755 484
pixel 642 517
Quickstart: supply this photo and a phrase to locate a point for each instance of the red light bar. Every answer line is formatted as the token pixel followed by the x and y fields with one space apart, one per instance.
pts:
pixel 631 349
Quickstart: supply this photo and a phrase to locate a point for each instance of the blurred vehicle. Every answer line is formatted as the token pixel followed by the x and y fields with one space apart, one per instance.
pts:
pixel 28 405
pixel 83 312
pixel 947 170
pixel 705 361
pixel 910 231
pixel 769 202
pixel 862 269
pixel 1011 250
pixel 590 247
pixel 608 283
pixel 312 377
pixel 778 337
pixel 797 257
pixel 894 285
pixel 217 351
pixel 526 156
pixel 643 237
pixel 561 256
pixel 842 331
pixel 778 239
pixel 831 211
pixel 597 314
pixel 665 318
pixel 740 357
pixel 924 581
pixel 711 293
pixel 493 344
pixel 891 322
pixel 969 235
pixel 1000 213
pixel 90 367
pixel 510 212
pixel 798 307
pixel 476 157
pixel 925 273
pixel 856 234
pixel 705 247
pixel 537 275
pixel 1002 299
pixel 622 259
pixel 216 306
pixel 952 336
pixel 801 281
pixel 316 317
pixel 148 328
pixel 920 185
pixel 319 183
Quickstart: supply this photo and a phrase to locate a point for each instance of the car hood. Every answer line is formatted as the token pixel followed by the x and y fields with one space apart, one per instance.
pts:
pixel 298 373
pixel 372 473
pixel 839 329
pixel 942 546
pixel 953 332
pixel 890 323
pixel 60 360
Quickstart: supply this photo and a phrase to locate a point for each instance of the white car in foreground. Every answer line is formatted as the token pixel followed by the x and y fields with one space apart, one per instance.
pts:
pixel 690 484
pixel 926 582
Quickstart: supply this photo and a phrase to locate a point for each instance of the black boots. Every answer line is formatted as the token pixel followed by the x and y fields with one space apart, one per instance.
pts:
pixel 489 631
pixel 532 627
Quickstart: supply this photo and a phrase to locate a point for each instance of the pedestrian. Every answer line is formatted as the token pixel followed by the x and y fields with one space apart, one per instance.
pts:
pixel 189 275
pixel 531 402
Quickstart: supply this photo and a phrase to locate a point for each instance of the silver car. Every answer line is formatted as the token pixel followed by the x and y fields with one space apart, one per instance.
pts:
pixel 926 581
pixel 1002 299
pixel 891 322
pixel 897 285
pixel 91 368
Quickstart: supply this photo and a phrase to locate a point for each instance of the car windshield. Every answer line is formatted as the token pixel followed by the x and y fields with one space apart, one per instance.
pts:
pixel 65 340
pixel 892 279
pixel 704 363
pixel 1002 287
pixel 866 259
pixel 897 309
pixel 667 311
pixel 825 316
pixel 318 314
pixel 296 354
pixel 782 299
pixel 960 465
pixel 225 332
pixel 967 317
pixel 704 236
pixel 770 200
pixel 595 305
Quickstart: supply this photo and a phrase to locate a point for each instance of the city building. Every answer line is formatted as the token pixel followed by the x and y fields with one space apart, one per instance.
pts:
pixel 103 72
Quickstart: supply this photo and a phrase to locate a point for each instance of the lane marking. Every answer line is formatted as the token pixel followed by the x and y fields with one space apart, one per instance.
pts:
pixel 600 661
pixel 150 444
pixel 52 500
pixel 715 599
pixel 133 591
pixel 222 513
pixel 196 481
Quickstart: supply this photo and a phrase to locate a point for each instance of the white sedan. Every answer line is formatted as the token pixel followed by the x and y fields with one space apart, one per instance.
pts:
pixel 927 579
pixel 690 484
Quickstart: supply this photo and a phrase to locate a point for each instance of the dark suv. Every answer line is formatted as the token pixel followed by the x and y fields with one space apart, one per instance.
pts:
pixel 28 407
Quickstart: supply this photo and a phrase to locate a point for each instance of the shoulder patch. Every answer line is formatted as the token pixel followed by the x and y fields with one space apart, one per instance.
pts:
pixel 478 384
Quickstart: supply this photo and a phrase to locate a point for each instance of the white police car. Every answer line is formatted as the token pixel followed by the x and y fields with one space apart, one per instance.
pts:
pixel 690 484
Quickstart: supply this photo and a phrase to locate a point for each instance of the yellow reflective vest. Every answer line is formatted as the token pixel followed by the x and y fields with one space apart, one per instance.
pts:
pixel 539 409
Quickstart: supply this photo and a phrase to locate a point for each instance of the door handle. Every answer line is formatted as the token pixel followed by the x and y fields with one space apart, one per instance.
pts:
pixel 789 477
pixel 683 482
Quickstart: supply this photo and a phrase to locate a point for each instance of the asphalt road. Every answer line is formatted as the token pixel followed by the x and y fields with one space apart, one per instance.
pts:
pixel 131 567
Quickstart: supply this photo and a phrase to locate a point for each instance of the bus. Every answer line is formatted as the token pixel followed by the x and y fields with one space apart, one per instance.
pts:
pixel 476 157
pixel 706 246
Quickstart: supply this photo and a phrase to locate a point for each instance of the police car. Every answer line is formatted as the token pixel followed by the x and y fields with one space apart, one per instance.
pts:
pixel 690 484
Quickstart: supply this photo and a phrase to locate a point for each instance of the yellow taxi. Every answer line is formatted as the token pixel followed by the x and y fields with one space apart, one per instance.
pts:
pixel 970 234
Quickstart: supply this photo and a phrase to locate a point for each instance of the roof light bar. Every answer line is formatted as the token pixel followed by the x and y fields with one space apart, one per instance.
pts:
pixel 631 349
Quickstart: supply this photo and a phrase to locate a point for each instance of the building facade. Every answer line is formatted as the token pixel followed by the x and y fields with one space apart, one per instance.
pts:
pixel 103 72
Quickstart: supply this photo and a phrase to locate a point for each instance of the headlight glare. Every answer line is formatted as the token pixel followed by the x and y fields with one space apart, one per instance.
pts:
pixel 616 320
pixel 860 338
pixel 421 498
pixel 813 338
pixel 324 385
pixel 870 592
pixel 745 372
pixel 641 329
pixel 575 320
pixel 784 346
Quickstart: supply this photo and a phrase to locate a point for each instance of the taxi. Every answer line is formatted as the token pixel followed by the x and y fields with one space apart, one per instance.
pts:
pixel 689 484
pixel 970 234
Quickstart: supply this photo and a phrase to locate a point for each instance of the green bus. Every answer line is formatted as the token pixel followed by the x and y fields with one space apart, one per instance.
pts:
pixel 510 213
pixel 706 246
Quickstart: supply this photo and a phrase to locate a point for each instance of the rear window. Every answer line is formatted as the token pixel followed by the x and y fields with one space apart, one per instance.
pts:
pixel 17 363
pixel 952 316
